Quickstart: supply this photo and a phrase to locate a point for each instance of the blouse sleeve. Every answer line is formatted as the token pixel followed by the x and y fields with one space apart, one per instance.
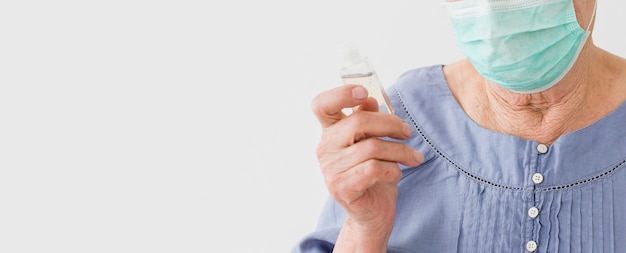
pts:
pixel 323 238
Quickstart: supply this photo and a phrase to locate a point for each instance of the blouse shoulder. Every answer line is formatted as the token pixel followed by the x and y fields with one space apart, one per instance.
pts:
pixel 415 89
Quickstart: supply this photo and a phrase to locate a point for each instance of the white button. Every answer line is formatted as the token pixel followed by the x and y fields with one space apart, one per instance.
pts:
pixel 537 178
pixel 533 212
pixel 531 246
pixel 542 149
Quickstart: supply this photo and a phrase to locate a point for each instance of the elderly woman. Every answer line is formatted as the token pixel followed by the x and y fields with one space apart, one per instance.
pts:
pixel 521 147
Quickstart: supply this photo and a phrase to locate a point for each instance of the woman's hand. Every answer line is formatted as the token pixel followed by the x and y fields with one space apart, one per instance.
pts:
pixel 359 168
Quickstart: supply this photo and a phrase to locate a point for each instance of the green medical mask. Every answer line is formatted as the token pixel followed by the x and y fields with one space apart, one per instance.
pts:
pixel 525 46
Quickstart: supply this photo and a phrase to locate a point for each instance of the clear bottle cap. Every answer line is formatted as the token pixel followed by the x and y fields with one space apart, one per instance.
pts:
pixel 350 54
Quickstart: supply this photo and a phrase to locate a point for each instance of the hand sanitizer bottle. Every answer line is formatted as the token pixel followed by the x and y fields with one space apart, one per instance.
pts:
pixel 357 69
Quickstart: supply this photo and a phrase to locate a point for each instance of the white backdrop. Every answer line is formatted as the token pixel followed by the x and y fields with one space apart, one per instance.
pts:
pixel 185 126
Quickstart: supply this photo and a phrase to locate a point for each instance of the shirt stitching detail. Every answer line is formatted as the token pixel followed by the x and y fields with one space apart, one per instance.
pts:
pixel 588 180
pixel 440 154
pixel 484 181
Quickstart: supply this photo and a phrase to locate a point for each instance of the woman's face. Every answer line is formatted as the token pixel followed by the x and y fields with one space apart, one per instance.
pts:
pixel 584 11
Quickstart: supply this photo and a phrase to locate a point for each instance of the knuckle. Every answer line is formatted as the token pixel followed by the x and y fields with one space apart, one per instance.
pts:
pixel 396 174
pixel 321 150
pixel 371 147
pixel 370 168
pixel 316 104
pixel 330 183
pixel 325 145
pixel 328 168
pixel 330 165
pixel 335 186
pixel 358 119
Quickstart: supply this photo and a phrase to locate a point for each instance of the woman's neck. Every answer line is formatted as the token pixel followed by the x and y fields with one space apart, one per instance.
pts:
pixel 589 92
pixel 541 116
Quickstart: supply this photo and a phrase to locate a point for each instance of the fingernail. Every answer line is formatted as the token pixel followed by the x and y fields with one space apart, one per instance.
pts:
pixel 407 129
pixel 359 93
pixel 418 156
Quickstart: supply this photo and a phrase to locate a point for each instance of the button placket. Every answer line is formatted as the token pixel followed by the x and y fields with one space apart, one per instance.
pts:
pixel 538 177
pixel 533 212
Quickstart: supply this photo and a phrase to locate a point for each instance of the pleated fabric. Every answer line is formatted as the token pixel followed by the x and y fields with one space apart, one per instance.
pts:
pixel 474 190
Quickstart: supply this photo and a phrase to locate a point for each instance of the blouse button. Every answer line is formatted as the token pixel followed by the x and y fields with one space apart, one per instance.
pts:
pixel 531 246
pixel 537 178
pixel 533 212
pixel 542 149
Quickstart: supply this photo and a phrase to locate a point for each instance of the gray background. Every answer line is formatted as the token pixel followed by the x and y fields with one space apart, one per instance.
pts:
pixel 185 126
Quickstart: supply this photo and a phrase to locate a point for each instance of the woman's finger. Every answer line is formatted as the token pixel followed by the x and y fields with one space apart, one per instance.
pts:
pixel 328 105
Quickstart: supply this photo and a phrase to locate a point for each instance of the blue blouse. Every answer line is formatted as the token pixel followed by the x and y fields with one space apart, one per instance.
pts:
pixel 483 191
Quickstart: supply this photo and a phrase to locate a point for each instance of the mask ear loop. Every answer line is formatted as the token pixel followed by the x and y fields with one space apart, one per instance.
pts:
pixel 593 15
